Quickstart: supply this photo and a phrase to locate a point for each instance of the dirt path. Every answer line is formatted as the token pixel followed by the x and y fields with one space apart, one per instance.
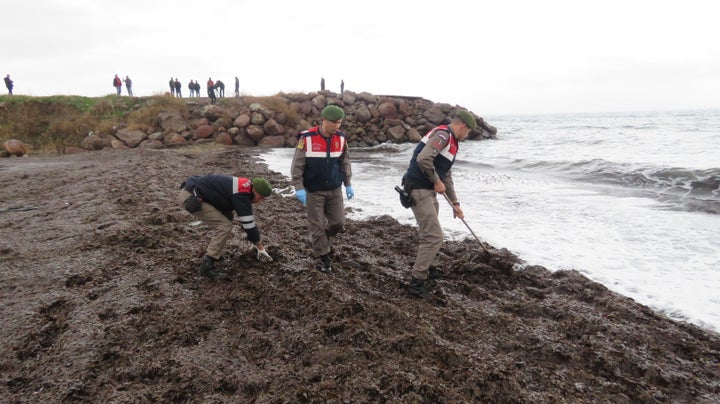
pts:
pixel 100 303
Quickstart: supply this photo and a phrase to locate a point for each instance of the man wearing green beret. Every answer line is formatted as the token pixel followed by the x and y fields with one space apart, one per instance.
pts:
pixel 320 167
pixel 212 199
pixel 428 175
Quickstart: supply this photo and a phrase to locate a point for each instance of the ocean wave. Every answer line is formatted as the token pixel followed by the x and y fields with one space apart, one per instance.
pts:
pixel 675 187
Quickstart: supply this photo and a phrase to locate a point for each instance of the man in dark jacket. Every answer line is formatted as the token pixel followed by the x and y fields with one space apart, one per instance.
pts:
pixel 320 167
pixel 9 84
pixel 212 199
pixel 428 175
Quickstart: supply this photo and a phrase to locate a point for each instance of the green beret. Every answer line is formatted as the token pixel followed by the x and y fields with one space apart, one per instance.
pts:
pixel 467 118
pixel 333 113
pixel 262 186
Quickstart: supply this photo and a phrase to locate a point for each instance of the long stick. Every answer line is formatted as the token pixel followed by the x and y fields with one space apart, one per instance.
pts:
pixel 466 225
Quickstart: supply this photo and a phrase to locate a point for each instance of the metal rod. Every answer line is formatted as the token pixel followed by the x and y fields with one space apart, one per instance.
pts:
pixel 466 225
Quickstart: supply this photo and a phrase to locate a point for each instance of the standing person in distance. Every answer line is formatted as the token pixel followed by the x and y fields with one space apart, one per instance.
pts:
pixel 427 175
pixel 9 84
pixel 178 88
pixel 320 167
pixel 220 86
pixel 128 85
pixel 212 199
pixel 237 87
pixel 211 91
pixel 117 83
pixel 172 87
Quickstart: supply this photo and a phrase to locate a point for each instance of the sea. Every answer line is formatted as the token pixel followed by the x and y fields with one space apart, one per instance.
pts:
pixel 630 200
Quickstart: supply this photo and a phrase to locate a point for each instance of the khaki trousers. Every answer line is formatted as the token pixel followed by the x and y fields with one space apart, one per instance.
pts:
pixel 326 218
pixel 220 224
pixel 430 233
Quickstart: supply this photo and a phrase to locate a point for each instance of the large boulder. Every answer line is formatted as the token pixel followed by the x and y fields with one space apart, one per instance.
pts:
pixel 15 147
pixel 213 112
pixel 387 110
pixel 272 128
pixel 224 138
pixel 363 114
pixel 203 132
pixel 131 137
pixel 243 139
pixel 396 134
pixel 272 141
pixel 151 144
pixel 172 120
pixel 242 121
pixel 255 132
pixel 367 98
pixel 95 142
pixel 435 115
pixel 174 139
pixel 413 135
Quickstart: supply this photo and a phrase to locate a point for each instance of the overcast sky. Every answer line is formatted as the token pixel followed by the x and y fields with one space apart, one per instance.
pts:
pixel 500 57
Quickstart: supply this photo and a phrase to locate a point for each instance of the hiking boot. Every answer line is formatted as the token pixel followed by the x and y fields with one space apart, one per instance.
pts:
pixel 207 269
pixel 417 288
pixel 325 263
pixel 434 273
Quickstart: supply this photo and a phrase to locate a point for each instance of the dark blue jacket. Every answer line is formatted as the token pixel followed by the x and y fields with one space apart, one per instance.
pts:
pixel 443 161
pixel 227 193
pixel 324 158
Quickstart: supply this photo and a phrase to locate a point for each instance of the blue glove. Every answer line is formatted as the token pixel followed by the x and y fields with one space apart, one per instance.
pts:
pixel 349 192
pixel 301 196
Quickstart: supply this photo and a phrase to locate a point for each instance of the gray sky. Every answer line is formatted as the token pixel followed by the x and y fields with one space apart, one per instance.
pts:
pixel 500 57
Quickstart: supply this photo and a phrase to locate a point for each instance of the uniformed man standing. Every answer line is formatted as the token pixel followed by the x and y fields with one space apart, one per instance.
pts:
pixel 320 167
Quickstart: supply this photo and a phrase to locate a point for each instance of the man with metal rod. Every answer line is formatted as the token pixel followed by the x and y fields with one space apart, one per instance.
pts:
pixel 429 174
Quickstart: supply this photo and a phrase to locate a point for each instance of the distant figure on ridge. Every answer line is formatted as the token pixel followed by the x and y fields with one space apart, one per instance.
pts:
pixel 117 83
pixel 9 84
pixel 172 87
pixel 211 91
pixel 322 83
pixel 128 85
pixel 342 86
pixel 220 86
pixel 197 88
pixel 191 87
pixel 237 87
pixel 178 88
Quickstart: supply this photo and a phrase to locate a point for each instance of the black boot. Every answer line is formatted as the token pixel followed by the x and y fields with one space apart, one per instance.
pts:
pixel 325 265
pixel 434 272
pixel 417 288
pixel 207 269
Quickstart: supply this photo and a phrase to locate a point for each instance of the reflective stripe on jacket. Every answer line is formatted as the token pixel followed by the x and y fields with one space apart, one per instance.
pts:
pixel 443 161
pixel 227 193
pixel 322 170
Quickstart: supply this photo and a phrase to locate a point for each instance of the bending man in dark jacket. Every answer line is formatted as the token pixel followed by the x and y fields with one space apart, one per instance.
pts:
pixel 212 199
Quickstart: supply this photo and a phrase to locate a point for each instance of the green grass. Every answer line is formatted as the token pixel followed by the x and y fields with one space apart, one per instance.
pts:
pixel 50 124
